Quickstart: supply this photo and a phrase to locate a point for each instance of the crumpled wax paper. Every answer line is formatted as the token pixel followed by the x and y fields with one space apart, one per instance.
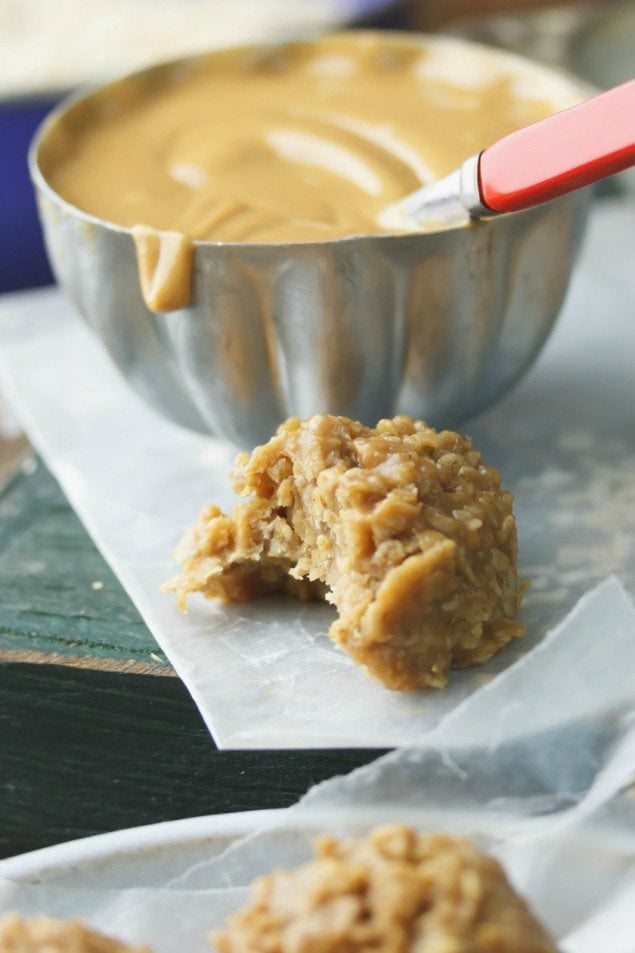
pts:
pixel 260 673
pixel 538 768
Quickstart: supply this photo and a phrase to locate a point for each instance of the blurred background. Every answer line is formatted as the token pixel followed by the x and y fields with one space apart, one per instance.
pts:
pixel 49 48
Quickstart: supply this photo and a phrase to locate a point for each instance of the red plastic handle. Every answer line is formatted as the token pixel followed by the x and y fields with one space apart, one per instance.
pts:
pixel 564 152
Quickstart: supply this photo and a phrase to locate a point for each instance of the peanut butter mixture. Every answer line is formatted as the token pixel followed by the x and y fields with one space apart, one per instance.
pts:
pixel 403 529
pixel 395 891
pixel 303 142
pixel 45 935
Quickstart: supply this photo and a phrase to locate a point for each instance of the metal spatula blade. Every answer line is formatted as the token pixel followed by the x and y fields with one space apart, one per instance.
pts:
pixel 566 151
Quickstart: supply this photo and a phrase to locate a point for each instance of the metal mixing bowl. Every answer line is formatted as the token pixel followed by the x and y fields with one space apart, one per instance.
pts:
pixel 434 325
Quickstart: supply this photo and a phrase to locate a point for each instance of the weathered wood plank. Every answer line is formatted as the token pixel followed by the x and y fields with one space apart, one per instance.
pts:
pixel 84 752
pixel 99 664
pixel 58 597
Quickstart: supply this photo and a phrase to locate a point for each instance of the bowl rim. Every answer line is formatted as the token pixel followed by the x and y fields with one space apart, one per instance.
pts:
pixel 577 86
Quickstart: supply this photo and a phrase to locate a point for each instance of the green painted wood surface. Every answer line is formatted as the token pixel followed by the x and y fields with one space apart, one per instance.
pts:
pixel 105 738
pixel 57 594
pixel 83 752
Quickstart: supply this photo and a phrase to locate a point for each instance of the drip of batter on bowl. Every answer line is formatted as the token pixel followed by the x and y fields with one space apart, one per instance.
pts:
pixel 402 528
pixel 165 261
pixel 393 891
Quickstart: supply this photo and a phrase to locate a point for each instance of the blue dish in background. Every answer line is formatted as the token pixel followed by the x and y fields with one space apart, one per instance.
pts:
pixel 23 261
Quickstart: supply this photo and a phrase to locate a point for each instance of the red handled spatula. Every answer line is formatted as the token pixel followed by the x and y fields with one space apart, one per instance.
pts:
pixel 566 151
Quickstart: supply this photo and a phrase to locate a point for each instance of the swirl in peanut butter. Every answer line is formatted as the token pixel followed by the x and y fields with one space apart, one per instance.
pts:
pixel 305 142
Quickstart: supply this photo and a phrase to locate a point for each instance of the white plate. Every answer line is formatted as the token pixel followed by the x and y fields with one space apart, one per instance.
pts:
pixel 139 856
pixel 140 884
pixel 128 884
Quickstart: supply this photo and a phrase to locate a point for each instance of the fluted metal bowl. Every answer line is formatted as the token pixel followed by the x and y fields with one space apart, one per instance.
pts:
pixel 435 325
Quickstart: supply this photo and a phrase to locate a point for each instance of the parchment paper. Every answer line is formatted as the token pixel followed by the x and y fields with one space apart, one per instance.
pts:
pixel 545 786
pixel 265 674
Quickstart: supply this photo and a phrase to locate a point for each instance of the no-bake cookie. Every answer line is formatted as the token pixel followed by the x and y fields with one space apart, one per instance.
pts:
pixel 46 935
pixel 402 528
pixel 395 891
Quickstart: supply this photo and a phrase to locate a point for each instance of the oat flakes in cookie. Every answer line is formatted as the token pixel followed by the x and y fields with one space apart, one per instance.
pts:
pixel 404 529
pixel 394 891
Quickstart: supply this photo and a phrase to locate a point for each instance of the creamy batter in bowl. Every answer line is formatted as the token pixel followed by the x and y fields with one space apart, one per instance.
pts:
pixel 215 220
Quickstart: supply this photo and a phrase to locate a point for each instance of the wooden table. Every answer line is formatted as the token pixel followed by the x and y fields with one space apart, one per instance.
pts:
pixel 96 732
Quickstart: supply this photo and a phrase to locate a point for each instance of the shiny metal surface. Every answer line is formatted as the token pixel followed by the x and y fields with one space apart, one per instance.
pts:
pixel 449 202
pixel 435 325
pixel 438 205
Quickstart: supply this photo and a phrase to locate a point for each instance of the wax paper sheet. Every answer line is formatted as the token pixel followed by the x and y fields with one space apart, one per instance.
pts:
pixel 545 785
pixel 265 674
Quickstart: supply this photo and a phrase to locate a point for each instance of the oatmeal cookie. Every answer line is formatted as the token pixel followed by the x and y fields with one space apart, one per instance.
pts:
pixel 394 891
pixel 403 529
pixel 46 935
